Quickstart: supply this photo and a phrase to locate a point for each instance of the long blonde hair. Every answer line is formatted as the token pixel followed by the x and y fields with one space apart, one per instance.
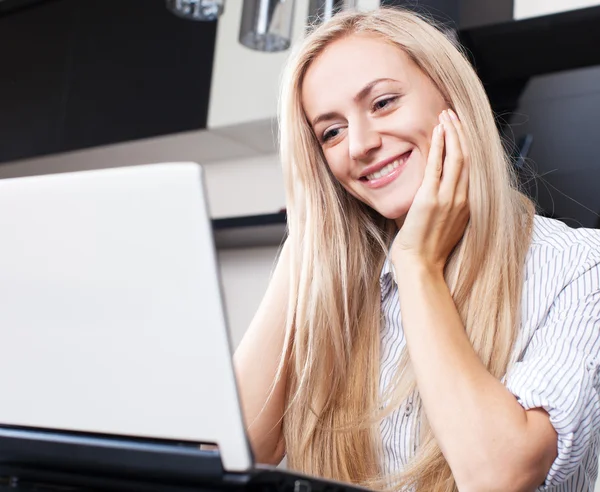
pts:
pixel 338 247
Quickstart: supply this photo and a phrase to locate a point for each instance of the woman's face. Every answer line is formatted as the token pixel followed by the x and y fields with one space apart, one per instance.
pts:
pixel 373 112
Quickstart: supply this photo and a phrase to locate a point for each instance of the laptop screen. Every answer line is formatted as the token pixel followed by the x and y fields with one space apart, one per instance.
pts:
pixel 112 318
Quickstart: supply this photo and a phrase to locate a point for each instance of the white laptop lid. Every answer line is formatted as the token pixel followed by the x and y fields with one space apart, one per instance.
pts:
pixel 111 318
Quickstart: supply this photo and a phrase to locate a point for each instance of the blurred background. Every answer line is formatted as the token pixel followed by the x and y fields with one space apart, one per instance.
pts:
pixel 87 84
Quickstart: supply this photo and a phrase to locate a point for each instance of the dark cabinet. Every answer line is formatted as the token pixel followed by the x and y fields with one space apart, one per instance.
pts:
pixel 138 71
pixel 33 71
pixel 78 74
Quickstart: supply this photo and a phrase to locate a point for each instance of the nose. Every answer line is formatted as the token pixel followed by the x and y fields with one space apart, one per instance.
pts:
pixel 363 139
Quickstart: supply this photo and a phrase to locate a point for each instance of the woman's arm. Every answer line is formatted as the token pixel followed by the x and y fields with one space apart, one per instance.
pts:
pixel 256 361
pixel 489 440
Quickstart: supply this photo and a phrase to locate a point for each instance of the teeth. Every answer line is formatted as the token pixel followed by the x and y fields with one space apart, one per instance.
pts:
pixel 385 171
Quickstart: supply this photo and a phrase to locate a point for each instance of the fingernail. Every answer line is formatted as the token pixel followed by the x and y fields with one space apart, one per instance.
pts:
pixel 452 114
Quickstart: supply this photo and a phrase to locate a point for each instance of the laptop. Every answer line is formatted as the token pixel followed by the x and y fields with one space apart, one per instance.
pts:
pixel 116 361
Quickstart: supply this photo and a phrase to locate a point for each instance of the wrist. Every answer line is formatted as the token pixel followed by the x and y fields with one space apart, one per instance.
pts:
pixel 410 265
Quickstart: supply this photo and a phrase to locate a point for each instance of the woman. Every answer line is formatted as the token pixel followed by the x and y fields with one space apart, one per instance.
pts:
pixel 422 329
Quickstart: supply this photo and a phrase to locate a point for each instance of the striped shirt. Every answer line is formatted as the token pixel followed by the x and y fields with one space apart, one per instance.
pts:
pixel 557 354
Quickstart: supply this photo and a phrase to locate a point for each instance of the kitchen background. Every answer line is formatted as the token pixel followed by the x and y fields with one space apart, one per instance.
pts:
pixel 104 83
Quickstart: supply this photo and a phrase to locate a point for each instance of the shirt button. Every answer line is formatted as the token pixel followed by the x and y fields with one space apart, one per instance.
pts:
pixel 591 364
pixel 408 409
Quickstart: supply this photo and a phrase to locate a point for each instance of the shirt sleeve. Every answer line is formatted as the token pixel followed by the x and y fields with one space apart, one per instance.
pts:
pixel 560 371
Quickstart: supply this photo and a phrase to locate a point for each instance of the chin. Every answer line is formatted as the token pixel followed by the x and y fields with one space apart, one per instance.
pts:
pixel 394 213
pixel 394 208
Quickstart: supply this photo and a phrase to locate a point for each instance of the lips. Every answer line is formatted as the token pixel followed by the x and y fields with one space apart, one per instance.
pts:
pixel 385 172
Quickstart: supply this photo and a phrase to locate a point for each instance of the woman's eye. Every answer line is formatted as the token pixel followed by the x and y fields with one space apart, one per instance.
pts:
pixel 383 103
pixel 328 135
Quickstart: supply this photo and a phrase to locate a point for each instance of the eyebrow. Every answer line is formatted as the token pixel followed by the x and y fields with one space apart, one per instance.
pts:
pixel 364 92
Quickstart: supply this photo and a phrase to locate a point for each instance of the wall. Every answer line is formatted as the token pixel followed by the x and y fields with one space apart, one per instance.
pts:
pixel 245 83
pixel 245 274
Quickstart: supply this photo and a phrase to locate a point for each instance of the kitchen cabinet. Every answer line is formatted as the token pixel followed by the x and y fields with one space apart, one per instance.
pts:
pixel 79 74
pixel 33 75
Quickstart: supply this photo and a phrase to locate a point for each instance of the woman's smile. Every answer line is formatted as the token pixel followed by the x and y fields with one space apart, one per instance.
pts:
pixel 382 174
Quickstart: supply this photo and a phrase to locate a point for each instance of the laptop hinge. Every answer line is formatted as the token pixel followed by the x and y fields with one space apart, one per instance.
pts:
pixel 58 459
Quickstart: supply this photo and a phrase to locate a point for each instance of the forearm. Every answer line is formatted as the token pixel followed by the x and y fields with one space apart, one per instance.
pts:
pixel 479 425
pixel 256 362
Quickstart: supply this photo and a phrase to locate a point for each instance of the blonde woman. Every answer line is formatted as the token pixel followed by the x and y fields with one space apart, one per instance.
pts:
pixel 423 328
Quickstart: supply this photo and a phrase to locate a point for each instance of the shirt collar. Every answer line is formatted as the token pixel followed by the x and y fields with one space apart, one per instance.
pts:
pixel 386 270
pixel 386 279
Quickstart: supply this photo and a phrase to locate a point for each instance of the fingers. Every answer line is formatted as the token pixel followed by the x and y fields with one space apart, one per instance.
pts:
pixel 433 169
pixel 448 175
pixel 461 133
pixel 462 188
pixel 453 164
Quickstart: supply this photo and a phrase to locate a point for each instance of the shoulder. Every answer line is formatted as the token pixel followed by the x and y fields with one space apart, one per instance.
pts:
pixel 562 271
pixel 554 235
pixel 559 251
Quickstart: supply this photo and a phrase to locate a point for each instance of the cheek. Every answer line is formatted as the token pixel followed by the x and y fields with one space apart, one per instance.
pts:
pixel 337 173
pixel 418 121
pixel 412 179
pixel 417 171
pixel 341 173
pixel 339 167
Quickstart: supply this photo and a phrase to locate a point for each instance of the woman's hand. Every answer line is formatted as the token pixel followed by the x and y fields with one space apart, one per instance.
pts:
pixel 439 213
